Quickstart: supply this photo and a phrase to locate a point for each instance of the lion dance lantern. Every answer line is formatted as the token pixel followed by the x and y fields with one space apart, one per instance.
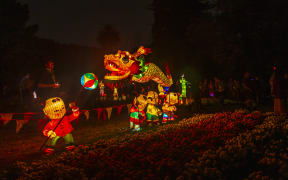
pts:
pixel 55 110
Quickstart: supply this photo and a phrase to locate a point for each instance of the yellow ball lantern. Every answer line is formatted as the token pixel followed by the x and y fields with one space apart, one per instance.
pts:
pixel 54 108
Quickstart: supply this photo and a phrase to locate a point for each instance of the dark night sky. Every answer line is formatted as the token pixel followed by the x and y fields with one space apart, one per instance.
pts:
pixel 75 21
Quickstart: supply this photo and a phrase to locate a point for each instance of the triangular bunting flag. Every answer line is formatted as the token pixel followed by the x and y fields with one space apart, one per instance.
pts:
pixel 109 111
pixel 119 108
pixel 6 117
pixel 20 123
pixel 86 113
pixel 99 111
pixel 104 115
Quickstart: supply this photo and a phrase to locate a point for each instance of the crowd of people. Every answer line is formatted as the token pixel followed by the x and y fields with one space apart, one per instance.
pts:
pixel 250 91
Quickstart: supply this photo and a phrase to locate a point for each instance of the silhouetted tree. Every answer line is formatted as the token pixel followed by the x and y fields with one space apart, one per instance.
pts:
pixel 109 39
pixel 259 28
pixel 172 22
pixel 14 33
pixel 220 35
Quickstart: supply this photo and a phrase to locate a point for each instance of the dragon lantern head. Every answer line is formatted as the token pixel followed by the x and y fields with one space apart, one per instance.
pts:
pixel 123 64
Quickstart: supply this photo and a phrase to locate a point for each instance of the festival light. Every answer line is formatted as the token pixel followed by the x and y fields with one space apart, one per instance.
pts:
pixel 89 81
pixel 183 86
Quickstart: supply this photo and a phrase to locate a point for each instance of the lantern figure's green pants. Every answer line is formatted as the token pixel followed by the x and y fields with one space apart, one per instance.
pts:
pixel 67 138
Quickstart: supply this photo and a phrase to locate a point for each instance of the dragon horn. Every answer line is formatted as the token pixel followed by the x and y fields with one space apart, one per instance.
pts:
pixel 141 50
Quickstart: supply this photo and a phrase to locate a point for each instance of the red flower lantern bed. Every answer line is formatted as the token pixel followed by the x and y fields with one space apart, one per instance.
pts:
pixel 150 154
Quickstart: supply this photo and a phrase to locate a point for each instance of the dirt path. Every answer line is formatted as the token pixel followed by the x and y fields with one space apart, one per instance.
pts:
pixel 25 145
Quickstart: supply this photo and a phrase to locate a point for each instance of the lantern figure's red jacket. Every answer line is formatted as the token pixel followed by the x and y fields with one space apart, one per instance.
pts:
pixel 63 128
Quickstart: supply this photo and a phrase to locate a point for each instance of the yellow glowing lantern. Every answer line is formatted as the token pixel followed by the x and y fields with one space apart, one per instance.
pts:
pixel 54 108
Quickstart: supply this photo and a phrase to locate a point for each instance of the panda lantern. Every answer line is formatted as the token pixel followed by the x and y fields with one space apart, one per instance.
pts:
pixel 59 124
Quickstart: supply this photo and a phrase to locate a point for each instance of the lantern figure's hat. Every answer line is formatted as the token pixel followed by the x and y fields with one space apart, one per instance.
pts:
pixel 54 108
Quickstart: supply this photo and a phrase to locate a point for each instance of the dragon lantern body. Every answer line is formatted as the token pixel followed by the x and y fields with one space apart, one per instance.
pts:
pixel 124 65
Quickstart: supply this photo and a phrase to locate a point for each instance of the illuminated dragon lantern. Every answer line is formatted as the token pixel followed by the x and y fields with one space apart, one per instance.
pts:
pixel 125 65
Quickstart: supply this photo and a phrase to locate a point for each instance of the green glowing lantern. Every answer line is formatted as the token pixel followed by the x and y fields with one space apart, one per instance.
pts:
pixel 183 86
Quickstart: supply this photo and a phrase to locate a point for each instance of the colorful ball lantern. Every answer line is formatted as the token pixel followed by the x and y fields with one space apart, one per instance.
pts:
pixel 89 81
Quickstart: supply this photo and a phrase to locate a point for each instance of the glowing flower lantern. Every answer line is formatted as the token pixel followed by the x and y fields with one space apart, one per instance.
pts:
pixel 89 81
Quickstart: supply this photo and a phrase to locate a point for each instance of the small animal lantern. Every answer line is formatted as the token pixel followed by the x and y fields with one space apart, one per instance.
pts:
pixel 54 108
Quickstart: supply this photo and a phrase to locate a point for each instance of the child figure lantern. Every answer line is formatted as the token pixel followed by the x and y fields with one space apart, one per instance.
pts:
pixel 169 107
pixel 137 114
pixel 153 112
pixel 115 94
pixel 55 110
pixel 101 86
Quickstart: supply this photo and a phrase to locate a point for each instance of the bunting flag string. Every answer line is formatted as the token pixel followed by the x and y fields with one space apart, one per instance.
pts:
pixel 5 118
